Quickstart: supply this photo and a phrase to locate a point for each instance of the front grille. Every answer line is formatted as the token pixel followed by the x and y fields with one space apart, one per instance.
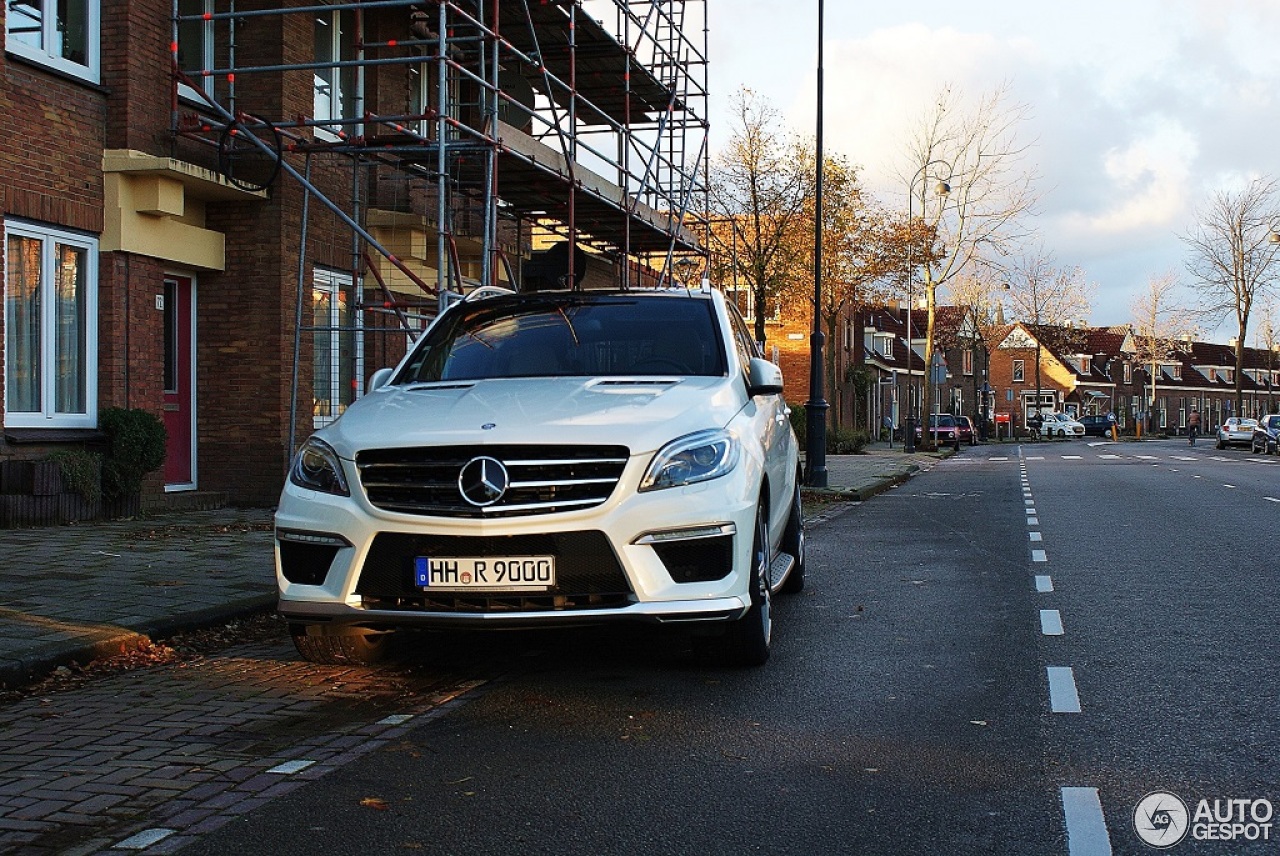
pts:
pixel 588 573
pixel 543 479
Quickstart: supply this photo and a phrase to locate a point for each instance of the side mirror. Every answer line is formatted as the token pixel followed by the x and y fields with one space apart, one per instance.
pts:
pixel 763 378
pixel 380 378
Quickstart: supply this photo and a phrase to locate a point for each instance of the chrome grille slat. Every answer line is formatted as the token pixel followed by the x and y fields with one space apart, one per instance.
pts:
pixel 544 479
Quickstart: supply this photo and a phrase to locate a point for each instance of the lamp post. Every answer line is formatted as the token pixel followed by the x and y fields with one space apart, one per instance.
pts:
pixel 909 435
pixel 815 455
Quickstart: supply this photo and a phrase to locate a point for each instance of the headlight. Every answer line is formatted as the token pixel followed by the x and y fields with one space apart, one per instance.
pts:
pixel 316 467
pixel 695 458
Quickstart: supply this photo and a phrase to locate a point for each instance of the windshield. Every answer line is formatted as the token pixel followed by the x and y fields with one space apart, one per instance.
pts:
pixel 566 335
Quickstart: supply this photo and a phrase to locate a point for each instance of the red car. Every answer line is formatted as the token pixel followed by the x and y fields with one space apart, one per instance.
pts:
pixel 964 426
pixel 942 429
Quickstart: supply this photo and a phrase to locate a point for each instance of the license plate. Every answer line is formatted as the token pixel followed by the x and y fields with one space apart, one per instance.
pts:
pixel 509 573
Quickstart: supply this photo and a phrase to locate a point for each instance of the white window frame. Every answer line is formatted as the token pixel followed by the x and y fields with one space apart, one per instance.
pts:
pixel 1018 371
pixel 966 362
pixel 332 78
pixel 204 52
pixel 48 416
pixel 335 283
pixel 48 53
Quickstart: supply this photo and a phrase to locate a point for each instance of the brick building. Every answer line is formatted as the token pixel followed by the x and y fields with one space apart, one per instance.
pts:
pixel 1095 370
pixel 230 220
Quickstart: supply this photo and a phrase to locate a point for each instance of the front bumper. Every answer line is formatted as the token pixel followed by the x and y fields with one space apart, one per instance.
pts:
pixel 341 563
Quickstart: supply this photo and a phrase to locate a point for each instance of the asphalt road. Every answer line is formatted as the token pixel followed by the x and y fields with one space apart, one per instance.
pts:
pixel 1007 654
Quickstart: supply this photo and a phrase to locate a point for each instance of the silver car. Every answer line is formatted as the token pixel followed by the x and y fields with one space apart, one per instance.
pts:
pixel 1236 431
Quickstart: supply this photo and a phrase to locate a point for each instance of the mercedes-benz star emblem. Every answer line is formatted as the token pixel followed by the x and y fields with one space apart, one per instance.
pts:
pixel 482 481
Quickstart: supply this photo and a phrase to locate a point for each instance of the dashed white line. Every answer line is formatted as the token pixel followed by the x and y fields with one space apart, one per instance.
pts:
pixel 1044 583
pixel 1063 697
pixel 1271 499
pixel 1036 458
pixel 1051 622
pixel 1039 556
pixel 1110 457
pixel 1086 825
pixel 288 768
pixel 1036 536
pixel 1233 487
pixel 1028 502
pixel 1071 457
pixel 1033 521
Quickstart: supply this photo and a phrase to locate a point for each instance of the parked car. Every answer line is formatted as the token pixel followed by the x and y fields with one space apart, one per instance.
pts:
pixel 942 429
pixel 545 459
pixel 1096 426
pixel 1266 435
pixel 1060 425
pixel 964 426
pixel 1236 431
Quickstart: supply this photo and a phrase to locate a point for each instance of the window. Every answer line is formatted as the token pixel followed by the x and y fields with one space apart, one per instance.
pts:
pixel 1018 373
pixel 966 362
pixel 424 93
pixel 884 346
pixel 195 46
pixel 62 34
pixel 1086 365
pixel 337 356
pixel 335 86
pixel 51 337
pixel 1128 373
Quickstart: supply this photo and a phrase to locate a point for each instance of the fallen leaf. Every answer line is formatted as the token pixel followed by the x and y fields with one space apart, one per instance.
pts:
pixel 375 802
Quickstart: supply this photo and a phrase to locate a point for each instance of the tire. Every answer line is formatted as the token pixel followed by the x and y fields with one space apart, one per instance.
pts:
pixel 747 640
pixel 793 543
pixel 1221 445
pixel 356 649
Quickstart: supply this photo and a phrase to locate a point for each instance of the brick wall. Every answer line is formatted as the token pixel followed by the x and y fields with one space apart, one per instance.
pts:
pixel 51 157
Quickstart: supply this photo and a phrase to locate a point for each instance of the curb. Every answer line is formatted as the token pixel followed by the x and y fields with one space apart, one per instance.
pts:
pixel 20 671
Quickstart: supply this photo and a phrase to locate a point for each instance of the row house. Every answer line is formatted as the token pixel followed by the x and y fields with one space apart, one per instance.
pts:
pixel 895 358
pixel 879 368
pixel 230 217
pixel 1096 370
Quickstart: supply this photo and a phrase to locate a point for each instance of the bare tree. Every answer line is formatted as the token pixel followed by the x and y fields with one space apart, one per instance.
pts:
pixel 1267 338
pixel 1161 323
pixel 973 157
pixel 1050 299
pixel 759 186
pixel 1234 258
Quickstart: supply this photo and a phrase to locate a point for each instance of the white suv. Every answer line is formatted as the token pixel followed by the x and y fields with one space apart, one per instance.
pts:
pixel 551 458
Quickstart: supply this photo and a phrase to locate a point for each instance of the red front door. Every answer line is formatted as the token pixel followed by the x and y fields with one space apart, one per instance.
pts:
pixel 179 386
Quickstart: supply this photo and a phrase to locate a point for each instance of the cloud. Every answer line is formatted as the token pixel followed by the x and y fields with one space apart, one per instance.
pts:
pixel 1139 109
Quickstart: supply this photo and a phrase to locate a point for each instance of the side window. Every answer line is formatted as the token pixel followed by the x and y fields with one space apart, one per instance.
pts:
pixel 62 35
pixel 747 349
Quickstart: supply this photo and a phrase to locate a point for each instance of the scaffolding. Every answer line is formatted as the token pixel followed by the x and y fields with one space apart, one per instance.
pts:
pixel 524 113
pixel 489 128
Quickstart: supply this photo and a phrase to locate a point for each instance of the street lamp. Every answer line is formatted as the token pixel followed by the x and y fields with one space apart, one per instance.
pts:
pixel 815 453
pixel 942 189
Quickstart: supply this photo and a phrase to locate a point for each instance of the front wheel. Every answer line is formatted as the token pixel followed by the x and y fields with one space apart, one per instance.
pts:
pixel 746 641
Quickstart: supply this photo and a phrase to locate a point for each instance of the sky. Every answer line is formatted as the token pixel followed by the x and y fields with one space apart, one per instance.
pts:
pixel 1139 110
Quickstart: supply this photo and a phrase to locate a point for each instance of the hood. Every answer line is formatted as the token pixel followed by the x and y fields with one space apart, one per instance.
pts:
pixel 640 413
